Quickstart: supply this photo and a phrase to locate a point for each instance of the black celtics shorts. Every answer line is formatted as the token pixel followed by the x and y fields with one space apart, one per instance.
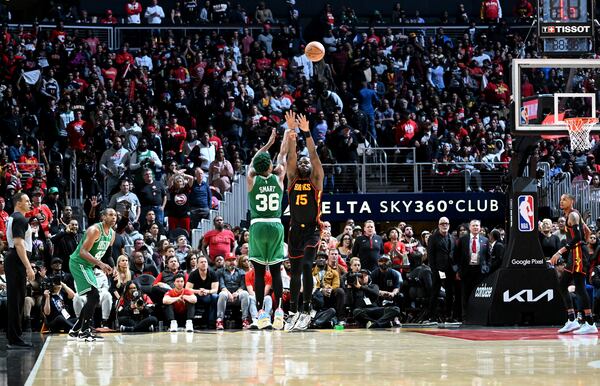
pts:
pixel 303 236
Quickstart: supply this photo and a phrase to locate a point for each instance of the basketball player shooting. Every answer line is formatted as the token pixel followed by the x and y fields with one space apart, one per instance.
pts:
pixel 92 247
pixel 265 193
pixel 305 184
pixel 574 271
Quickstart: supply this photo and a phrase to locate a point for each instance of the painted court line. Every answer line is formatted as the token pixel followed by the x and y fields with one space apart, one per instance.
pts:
pixel 38 363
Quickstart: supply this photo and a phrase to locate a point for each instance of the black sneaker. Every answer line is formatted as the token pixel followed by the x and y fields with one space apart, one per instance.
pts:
pixel 19 346
pixel 89 336
pixel 73 335
pixel 85 336
pixel 97 338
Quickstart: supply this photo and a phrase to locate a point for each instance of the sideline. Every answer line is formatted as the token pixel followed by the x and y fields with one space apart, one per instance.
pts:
pixel 38 363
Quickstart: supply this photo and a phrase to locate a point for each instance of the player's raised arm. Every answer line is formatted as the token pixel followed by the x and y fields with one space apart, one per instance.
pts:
pixel 317 169
pixel 292 156
pixel 264 149
pixel 288 137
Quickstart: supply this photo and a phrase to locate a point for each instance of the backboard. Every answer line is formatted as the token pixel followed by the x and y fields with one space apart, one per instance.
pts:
pixel 546 91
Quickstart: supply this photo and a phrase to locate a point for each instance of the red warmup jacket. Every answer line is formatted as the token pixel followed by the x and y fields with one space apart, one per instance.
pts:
pixel 490 9
pixel 176 135
pixel 133 9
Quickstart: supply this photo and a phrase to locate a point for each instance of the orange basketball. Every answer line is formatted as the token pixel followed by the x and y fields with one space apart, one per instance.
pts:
pixel 314 51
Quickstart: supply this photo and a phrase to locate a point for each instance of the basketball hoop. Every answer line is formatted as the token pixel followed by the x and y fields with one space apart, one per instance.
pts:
pixel 579 131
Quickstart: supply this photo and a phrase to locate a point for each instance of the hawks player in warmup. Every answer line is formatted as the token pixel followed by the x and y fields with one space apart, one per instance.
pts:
pixel 265 192
pixel 574 271
pixel 305 184
pixel 92 247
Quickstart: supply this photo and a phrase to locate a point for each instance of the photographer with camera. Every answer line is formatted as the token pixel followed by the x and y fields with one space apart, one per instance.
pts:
pixel 56 306
pixel 55 271
pixel 363 296
pixel 135 310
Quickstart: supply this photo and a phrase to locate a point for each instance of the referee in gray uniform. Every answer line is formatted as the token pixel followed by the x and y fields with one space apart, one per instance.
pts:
pixel 18 269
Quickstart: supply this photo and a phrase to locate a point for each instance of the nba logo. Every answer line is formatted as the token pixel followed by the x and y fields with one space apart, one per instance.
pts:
pixel 526 218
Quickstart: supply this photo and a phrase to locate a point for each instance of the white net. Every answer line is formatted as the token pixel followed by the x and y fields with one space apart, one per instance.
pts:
pixel 579 132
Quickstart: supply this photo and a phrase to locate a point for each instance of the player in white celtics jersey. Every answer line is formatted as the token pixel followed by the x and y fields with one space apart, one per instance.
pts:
pixel 265 193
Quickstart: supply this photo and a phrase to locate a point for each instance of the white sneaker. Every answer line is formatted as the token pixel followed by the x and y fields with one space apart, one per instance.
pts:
pixel 173 327
pixel 264 320
pixel 291 321
pixel 303 322
pixel 189 326
pixel 570 325
pixel 587 329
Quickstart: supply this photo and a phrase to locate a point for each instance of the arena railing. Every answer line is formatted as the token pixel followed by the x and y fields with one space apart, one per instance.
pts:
pixel 594 206
pixel 135 35
pixel 103 32
pixel 233 209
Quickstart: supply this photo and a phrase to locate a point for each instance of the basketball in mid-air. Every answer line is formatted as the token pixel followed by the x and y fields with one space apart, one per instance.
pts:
pixel 314 51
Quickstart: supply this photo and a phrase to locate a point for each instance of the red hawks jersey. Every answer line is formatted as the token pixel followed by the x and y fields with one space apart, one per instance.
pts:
pixel 490 9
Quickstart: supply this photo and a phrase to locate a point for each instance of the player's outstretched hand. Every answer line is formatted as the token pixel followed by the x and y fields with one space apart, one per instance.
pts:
pixel 272 137
pixel 290 119
pixel 302 123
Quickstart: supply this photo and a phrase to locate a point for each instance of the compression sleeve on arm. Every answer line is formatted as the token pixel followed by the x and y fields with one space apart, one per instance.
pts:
pixel 576 238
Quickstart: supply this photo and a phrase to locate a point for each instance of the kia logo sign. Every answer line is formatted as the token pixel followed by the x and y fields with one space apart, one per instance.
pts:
pixel 526 296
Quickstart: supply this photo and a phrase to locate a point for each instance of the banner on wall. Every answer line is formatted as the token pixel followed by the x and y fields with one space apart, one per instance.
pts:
pixel 412 206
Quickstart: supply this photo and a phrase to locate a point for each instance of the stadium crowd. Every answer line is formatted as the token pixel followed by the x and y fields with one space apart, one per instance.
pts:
pixel 161 133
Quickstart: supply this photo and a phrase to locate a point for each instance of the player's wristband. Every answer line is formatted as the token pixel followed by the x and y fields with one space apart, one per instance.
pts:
pixel 305 134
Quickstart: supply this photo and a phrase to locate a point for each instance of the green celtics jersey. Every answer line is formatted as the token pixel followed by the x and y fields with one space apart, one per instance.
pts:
pixel 265 197
pixel 98 249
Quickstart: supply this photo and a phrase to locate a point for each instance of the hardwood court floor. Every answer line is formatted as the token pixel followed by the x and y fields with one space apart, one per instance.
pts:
pixel 350 357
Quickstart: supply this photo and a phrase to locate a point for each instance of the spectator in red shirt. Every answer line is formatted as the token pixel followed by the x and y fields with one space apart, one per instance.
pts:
pixel 38 179
pixel 28 162
pixel 110 72
pixel 491 11
pixel 405 130
pixel 124 58
pixel 244 264
pixel 178 303
pixel 219 241
pixel 58 35
pixel 263 62
pixel 496 90
pixel 133 10
pixel 527 89
pixel 524 10
pixel 41 211
pixel 176 135
pixel 76 131
pixel 395 248
pixel 109 18
pixel 180 74
pixel 3 219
